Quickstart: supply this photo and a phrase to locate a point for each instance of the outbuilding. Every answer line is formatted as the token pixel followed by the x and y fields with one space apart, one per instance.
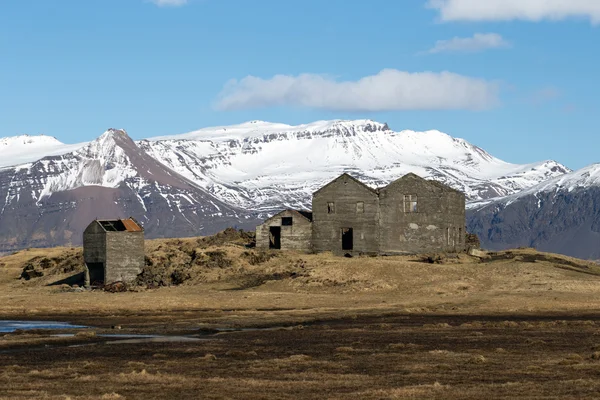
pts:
pixel 113 250
pixel 287 230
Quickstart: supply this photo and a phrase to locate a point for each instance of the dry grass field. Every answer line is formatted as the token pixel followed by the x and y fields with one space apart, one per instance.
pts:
pixel 521 324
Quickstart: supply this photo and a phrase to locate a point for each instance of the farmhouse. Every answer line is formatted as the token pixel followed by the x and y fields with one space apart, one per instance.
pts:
pixel 410 215
pixel 113 250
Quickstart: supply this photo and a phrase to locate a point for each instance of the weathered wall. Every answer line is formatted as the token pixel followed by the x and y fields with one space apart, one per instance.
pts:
pixel 124 256
pixel 294 237
pixel 345 193
pixel 438 224
pixel 94 251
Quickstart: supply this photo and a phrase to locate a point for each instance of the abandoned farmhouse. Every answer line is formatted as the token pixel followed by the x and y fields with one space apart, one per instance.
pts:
pixel 410 215
pixel 113 250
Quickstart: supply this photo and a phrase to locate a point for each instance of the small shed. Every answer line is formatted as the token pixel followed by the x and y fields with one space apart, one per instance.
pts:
pixel 288 230
pixel 113 250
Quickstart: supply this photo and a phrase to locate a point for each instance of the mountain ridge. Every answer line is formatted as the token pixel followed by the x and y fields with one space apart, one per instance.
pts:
pixel 50 201
pixel 206 180
pixel 560 215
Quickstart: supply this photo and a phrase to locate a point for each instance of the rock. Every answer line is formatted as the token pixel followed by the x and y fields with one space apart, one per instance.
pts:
pixel 478 253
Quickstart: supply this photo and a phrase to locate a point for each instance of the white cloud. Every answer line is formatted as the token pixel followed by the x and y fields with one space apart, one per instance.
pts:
pixel 478 42
pixel 505 10
pixel 390 89
pixel 169 3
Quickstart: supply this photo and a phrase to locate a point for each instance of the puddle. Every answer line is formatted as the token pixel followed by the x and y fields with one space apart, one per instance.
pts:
pixel 156 339
pixel 11 326
pixel 121 336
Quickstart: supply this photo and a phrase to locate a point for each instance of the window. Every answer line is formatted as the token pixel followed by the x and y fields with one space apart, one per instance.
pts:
pixel 287 221
pixel 360 207
pixel 410 203
pixel 330 208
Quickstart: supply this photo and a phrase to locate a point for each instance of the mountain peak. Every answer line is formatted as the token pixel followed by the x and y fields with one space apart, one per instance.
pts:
pixel 115 132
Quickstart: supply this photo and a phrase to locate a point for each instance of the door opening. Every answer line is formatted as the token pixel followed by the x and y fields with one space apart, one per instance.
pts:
pixel 275 237
pixel 347 239
pixel 96 271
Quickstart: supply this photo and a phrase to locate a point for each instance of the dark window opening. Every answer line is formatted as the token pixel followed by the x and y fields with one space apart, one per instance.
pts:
pixel 287 221
pixel 410 203
pixel 347 239
pixel 275 237
pixel 330 208
pixel 360 207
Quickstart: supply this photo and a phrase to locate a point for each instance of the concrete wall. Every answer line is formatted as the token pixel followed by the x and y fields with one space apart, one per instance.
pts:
pixel 294 237
pixel 124 256
pixel 112 256
pixel 438 224
pixel 345 192
pixel 94 251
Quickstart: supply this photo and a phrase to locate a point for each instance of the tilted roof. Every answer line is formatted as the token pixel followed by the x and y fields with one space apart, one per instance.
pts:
pixel 120 225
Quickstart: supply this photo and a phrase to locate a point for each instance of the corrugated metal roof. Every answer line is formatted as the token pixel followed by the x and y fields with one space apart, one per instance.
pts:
pixel 120 225
pixel 131 225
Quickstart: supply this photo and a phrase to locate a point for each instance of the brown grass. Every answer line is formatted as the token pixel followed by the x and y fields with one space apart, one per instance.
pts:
pixel 358 328
pixel 231 276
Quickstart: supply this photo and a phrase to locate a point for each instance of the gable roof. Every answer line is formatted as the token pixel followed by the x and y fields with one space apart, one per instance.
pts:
pixel 120 225
pixel 432 182
pixel 308 215
pixel 346 175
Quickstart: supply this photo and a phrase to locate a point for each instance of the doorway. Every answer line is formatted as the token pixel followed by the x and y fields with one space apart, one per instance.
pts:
pixel 347 239
pixel 96 271
pixel 275 237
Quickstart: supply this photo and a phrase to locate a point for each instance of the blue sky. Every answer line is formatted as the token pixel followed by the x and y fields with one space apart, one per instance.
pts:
pixel 516 77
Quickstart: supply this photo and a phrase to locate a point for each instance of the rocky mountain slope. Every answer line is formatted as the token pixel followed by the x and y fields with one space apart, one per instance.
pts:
pixel 50 201
pixel 203 181
pixel 262 166
pixel 560 215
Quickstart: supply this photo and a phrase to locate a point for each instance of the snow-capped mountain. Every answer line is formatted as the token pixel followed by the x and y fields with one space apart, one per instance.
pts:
pixel 50 201
pixel 199 182
pixel 262 166
pixel 560 215
pixel 21 149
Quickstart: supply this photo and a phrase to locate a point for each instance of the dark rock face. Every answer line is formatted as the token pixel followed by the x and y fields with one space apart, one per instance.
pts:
pixel 566 222
pixel 51 201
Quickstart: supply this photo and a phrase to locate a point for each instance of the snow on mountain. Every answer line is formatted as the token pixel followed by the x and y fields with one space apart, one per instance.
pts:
pixel 50 201
pixel 560 215
pixel 22 149
pixel 203 181
pixel 265 166
pixel 102 162
pixel 584 178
